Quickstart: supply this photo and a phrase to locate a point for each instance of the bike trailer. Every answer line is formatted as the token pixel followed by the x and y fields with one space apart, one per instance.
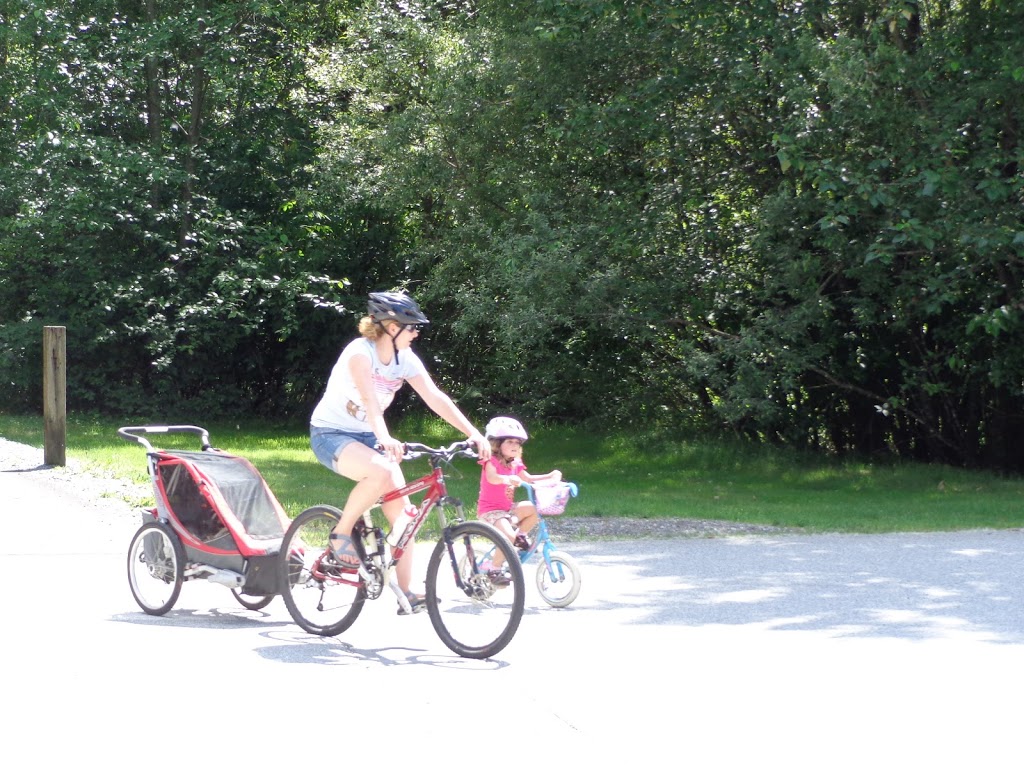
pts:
pixel 221 508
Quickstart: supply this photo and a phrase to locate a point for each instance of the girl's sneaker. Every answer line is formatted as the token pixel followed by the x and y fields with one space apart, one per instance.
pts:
pixel 498 576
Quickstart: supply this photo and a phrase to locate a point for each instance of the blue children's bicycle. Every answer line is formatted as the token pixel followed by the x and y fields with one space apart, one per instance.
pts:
pixel 557 573
pixel 558 576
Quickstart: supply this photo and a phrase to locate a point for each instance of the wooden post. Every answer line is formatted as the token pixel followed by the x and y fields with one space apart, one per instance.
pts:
pixel 55 423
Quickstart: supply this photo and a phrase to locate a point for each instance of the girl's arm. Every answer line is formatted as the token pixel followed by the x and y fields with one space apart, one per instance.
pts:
pixel 445 407
pixel 495 479
pixel 554 476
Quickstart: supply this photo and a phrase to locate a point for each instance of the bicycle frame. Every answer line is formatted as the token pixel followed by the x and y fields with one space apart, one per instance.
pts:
pixel 542 542
pixel 433 483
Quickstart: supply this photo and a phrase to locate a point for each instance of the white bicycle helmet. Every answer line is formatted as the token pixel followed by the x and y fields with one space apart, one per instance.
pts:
pixel 501 427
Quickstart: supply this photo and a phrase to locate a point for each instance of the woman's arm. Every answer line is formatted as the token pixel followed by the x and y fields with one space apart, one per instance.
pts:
pixel 445 407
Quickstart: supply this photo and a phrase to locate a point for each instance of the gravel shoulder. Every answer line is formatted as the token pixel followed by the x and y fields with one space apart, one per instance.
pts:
pixel 569 527
pixel 116 496
pixel 107 495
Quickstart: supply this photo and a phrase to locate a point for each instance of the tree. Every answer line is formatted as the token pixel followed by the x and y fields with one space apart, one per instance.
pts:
pixel 794 221
pixel 157 166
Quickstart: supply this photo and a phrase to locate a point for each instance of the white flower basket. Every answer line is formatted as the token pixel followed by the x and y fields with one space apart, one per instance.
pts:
pixel 551 499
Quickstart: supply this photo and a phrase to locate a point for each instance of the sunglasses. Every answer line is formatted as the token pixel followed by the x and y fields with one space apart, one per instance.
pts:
pixel 417 327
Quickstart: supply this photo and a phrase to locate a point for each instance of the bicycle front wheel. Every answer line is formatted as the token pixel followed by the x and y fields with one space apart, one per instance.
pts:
pixel 558 581
pixel 322 597
pixel 476 614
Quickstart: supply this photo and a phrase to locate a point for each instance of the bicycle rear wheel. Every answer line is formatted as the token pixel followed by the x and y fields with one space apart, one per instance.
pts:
pixel 322 597
pixel 480 617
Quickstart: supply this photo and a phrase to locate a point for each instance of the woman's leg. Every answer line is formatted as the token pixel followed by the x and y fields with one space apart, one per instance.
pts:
pixel 391 511
pixel 374 476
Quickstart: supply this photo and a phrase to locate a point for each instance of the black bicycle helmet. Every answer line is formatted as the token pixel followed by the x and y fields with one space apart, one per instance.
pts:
pixel 399 307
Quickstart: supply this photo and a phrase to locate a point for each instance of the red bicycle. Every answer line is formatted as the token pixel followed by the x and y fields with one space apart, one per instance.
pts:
pixel 475 614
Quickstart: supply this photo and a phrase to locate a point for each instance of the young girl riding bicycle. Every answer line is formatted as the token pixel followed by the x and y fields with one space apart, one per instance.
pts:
pixel 502 473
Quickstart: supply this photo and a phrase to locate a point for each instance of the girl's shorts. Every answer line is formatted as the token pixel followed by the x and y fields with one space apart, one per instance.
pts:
pixel 496 515
pixel 327 442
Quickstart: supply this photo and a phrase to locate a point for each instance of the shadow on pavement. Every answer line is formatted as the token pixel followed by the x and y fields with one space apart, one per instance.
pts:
pixel 912 586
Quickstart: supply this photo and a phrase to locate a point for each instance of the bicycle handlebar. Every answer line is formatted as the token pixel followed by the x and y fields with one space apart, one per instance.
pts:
pixel 573 488
pixel 459 448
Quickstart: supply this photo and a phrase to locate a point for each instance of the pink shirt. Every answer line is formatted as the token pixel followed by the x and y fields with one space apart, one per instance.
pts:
pixel 497 497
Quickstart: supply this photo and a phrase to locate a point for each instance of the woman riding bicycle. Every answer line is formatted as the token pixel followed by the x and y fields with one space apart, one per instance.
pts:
pixel 348 433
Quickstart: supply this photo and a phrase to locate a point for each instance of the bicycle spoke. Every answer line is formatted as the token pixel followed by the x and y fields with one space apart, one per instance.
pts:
pixel 156 563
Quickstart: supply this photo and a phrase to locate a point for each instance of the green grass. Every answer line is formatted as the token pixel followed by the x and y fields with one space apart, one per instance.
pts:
pixel 618 475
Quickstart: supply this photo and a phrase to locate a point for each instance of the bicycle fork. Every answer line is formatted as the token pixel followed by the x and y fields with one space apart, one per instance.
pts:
pixel 555 568
pixel 471 587
pixel 449 543
pixel 543 546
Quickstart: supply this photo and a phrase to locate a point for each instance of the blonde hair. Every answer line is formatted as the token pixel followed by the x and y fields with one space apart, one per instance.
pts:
pixel 372 329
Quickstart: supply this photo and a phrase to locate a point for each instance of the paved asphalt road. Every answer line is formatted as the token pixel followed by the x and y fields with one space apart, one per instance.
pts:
pixel 895 650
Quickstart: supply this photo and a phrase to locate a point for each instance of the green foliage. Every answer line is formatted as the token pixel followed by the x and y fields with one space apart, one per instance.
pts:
pixel 891 250
pixel 155 202
pixel 795 222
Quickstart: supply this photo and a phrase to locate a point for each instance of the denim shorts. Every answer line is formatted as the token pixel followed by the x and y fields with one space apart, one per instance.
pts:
pixel 327 442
